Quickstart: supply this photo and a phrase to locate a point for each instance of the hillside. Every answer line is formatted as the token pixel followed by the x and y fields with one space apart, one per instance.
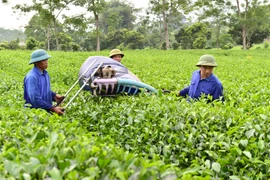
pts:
pixel 9 35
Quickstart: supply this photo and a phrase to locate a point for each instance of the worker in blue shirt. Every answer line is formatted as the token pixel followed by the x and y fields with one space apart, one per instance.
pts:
pixel 203 81
pixel 37 88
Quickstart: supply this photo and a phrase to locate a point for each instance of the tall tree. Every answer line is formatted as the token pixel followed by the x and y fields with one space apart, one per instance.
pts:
pixel 216 12
pixel 194 36
pixel 125 38
pixel 76 26
pixel 118 15
pixel 256 27
pixel 49 11
pixel 38 28
pixel 249 15
pixel 166 8
pixel 151 31
pixel 96 7
pixel 161 7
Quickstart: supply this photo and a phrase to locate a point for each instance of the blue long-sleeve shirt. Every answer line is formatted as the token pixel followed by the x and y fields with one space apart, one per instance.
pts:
pixel 37 89
pixel 209 86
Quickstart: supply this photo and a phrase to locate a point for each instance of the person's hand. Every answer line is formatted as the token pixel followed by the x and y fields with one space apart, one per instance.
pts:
pixel 171 92
pixel 58 110
pixel 58 98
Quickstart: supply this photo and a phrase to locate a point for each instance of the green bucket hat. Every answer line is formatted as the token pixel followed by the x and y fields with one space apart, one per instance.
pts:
pixel 116 52
pixel 39 55
pixel 207 60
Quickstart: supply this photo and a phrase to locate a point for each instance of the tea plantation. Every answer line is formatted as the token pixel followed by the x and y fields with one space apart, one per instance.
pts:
pixel 140 137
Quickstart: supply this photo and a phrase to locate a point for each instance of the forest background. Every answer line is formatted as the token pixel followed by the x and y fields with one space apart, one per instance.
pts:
pixel 80 25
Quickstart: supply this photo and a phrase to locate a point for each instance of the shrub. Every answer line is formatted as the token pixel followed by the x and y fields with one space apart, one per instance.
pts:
pixel 4 45
pixel 32 43
pixel 259 47
pixel 208 47
pixel 175 45
pixel 163 46
pixel 227 46
pixel 266 44
pixel 75 46
pixel 64 47
pixel 14 44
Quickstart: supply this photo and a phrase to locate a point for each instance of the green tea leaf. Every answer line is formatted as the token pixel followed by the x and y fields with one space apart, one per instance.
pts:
pixel 216 167
pixel 207 164
pixel 248 154
pixel 234 178
pixel 55 174
pixel 261 144
pixel 244 142
pixel 250 133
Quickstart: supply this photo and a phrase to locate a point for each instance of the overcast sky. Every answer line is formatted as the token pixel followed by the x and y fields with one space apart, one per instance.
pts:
pixel 10 20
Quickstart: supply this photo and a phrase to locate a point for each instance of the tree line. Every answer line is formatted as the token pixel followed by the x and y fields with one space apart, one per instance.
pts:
pixel 164 24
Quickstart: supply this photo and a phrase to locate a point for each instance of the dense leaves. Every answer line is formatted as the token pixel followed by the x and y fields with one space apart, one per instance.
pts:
pixel 139 137
pixel 193 37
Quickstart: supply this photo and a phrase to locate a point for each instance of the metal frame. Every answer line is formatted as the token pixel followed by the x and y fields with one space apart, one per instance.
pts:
pixel 86 82
pixel 125 83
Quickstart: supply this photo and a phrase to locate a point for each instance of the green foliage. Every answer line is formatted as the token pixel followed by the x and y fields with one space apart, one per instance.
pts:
pixel 175 45
pixel 14 44
pixel 144 136
pixel 227 46
pixel 46 17
pixel 225 39
pixel 194 36
pixel 118 15
pixel 130 39
pixel 250 19
pixel 208 47
pixel 163 46
pixel 66 43
pixel 258 47
pixel 32 43
pixel 199 43
pixel 266 44
pixel 217 13
pixel 4 45
pixel 75 47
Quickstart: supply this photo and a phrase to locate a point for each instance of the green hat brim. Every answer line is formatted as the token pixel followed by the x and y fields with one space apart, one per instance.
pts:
pixel 41 58
pixel 204 63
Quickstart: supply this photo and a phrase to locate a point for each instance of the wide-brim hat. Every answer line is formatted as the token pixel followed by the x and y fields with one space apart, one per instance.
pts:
pixel 116 52
pixel 39 55
pixel 207 60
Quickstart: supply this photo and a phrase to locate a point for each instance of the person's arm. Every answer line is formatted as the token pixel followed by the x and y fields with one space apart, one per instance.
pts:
pixel 53 96
pixel 58 98
pixel 218 92
pixel 34 94
pixel 184 92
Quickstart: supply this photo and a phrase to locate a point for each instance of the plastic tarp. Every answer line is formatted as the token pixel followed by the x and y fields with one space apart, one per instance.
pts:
pixel 121 70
